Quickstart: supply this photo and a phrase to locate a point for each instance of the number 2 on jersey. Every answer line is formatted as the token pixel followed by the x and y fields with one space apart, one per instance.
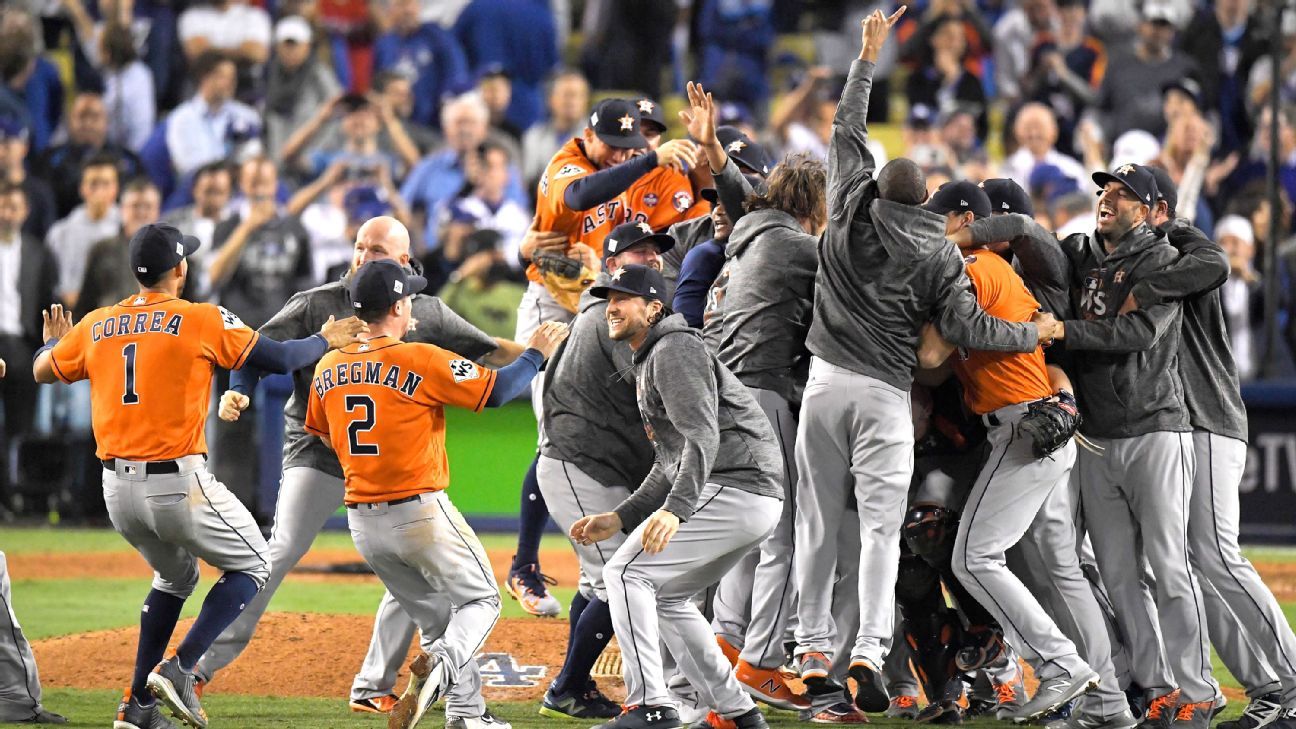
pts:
pixel 130 397
pixel 362 424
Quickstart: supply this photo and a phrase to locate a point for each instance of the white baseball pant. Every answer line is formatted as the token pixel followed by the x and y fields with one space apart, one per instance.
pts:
pixel 20 689
pixel 570 494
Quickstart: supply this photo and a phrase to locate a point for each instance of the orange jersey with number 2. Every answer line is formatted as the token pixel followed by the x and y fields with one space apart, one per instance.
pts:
pixel 150 360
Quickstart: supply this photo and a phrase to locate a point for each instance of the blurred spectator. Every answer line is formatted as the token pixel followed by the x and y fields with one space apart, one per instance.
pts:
pixel 1035 131
pixel 354 141
pixel 27 278
pixel 397 92
pixel 482 206
pixel 1149 63
pixel 1255 166
pixel 497 91
pixel 332 209
pixel 958 133
pixel 627 43
pixel 916 50
pixel 1018 32
pixel 1186 159
pixel 1241 293
pixel 483 290
pixel 802 119
pixel 1047 183
pixel 519 39
pixel 1135 146
pixel 40 212
pixel 1224 39
pixel 349 30
pixel 424 52
pixel 236 28
pixel 837 41
pixel 1260 80
pixel 945 79
pixel 297 83
pixel 1072 213
pixel 568 102
pixel 1182 97
pixel 1116 22
pixel 212 189
pixel 922 139
pixel 734 39
pixel 96 218
pixel 87 137
pixel 128 88
pixel 108 275
pixel 1066 70
pixel 465 123
pixel 211 125
pixel 31 89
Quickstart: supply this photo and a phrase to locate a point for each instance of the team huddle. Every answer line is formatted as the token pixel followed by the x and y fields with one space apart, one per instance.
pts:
pixel 832 444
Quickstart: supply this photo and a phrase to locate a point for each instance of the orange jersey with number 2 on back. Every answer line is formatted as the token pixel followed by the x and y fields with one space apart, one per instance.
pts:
pixel 379 405
pixel 150 360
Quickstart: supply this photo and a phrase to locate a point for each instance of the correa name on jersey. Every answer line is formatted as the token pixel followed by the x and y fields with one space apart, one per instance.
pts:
pixel 144 322
pixel 367 373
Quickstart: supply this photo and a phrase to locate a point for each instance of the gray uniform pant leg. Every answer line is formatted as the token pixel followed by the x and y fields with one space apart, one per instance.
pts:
pixel 845 608
pixel 1239 654
pixel 389 644
pixel 1120 657
pixel 1005 500
pixel 897 674
pixel 732 604
pixel 651 598
pixel 1213 543
pixel 20 689
pixel 773 590
pixel 570 494
pixel 537 307
pixel 428 557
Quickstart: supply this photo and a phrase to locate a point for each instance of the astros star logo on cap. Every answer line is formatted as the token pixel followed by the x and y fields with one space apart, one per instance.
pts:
pixel 736 146
pixel 627 123
pixel 646 228
pixel 645 106
pixel 1125 169
pixel 616 275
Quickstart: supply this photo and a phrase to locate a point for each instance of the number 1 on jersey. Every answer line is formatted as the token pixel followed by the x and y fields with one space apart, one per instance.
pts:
pixel 130 397
pixel 362 424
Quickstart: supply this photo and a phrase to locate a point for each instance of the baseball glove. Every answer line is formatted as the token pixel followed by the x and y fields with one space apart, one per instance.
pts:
pixel 565 278
pixel 1050 423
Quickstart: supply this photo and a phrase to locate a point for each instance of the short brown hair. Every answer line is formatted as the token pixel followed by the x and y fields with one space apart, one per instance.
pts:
pixel 798 186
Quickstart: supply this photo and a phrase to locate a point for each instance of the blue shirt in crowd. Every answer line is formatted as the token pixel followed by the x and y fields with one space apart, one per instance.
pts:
pixel 430 56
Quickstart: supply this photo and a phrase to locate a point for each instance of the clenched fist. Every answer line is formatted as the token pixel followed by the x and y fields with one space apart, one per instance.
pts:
pixel 232 405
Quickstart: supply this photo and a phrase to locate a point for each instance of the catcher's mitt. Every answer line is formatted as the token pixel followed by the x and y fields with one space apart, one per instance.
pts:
pixel 565 278
pixel 1050 423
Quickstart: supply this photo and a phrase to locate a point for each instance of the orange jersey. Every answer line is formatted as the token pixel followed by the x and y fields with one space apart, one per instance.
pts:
pixel 663 198
pixel 581 226
pixel 150 361
pixel 992 380
pixel 380 406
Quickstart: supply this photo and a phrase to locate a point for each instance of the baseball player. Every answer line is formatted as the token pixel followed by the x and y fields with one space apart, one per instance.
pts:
pixel 665 196
pixel 884 271
pixel 582 194
pixel 379 405
pixel 20 689
pixel 311 489
pixel 149 360
pixel 712 495
pixel 589 398
pixel 1239 600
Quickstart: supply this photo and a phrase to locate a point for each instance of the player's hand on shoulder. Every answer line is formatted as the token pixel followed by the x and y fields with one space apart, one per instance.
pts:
pixel 678 153
pixel 547 337
pixel 57 322
pixel 658 530
pixel 232 405
pixel 340 333
pixel 595 528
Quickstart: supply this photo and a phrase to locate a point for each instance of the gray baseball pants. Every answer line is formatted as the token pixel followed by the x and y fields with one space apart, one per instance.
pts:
pixel 855 435
pixel 570 494
pixel 307 498
pixel 650 597
pixel 20 689
pixel 1136 498
pixel 434 566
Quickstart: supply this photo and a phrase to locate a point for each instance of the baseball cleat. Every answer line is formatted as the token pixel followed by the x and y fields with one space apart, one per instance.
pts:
pixel 728 649
pixel 176 688
pixel 1260 712
pixel 527 585
pixel 1008 697
pixel 842 712
pixel 1286 719
pixel 1218 705
pixel 1194 715
pixel 645 717
pixel 752 719
pixel 435 683
pixel 903 707
pixel 767 686
pixel 870 696
pixel 375 704
pixel 1160 712
pixel 814 667
pixel 486 721
pixel 1053 692
pixel 130 715
pixel 589 703
pixel 1081 720
pixel 940 712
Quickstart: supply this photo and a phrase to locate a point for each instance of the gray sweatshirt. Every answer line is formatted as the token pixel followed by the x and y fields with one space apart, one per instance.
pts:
pixel 704 424
pixel 1126 366
pixel 772 263
pixel 1206 366
pixel 1037 257
pixel 885 269
pixel 591 419
pixel 733 189
pixel 303 316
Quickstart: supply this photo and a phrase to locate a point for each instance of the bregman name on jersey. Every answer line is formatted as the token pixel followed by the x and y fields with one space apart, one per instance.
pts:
pixel 367 373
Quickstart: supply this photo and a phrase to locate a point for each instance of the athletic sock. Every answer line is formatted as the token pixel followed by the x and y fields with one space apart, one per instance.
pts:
pixel 224 603
pixel 157 622
pixel 534 516
pixel 592 635
pixel 578 605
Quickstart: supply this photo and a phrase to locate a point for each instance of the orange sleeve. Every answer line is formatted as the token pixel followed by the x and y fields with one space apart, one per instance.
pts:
pixel 69 356
pixel 227 341
pixel 563 170
pixel 454 380
pixel 316 415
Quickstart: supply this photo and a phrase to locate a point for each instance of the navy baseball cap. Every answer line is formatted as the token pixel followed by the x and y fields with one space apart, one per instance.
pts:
pixel 377 285
pixel 616 123
pixel 635 280
pixel 157 248
pixel 745 153
pixel 13 128
pixel 650 111
pixel 626 235
pixel 1136 178
pixel 1007 196
pixel 958 197
pixel 1166 189
pixel 710 194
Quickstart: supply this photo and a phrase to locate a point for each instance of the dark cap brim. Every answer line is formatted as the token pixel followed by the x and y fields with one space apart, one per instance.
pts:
pixel 1102 178
pixel 633 141
pixel 190 244
pixel 414 284
pixel 602 292
pixel 710 194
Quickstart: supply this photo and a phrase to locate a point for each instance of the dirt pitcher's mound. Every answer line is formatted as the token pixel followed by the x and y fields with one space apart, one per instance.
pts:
pixel 305 654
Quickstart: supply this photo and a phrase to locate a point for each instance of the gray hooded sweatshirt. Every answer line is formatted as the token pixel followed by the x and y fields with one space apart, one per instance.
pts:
pixel 704 424
pixel 885 269
pixel 768 302
pixel 590 416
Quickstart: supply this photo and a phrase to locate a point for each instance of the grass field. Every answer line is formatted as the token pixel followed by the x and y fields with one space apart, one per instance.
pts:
pixel 58 607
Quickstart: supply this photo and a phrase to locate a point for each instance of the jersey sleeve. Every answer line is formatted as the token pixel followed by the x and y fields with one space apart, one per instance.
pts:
pixel 453 380
pixel 316 416
pixel 562 172
pixel 69 356
pixel 227 341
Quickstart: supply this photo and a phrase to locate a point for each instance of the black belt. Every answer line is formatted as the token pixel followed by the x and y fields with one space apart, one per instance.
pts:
pixel 151 468
pixel 405 500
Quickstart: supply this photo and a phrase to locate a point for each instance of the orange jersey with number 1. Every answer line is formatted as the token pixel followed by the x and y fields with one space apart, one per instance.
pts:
pixel 150 360
pixel 581 226
pixel 992 380
pixel 380 406
pixel 663 198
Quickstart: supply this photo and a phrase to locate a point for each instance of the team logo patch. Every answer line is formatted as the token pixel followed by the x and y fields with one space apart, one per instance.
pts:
pixel 645 227
pixel 1120 276
pixel 503 670
pixel 735 146
pixel 463 370
pixel 1125 169
pixel 627 123
pixel 969 260
pixel 650 200
pixel 616 275
pixel 645 106
pixel 568 170
pixel 139 300
pixel 682 201
pixel 230 319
